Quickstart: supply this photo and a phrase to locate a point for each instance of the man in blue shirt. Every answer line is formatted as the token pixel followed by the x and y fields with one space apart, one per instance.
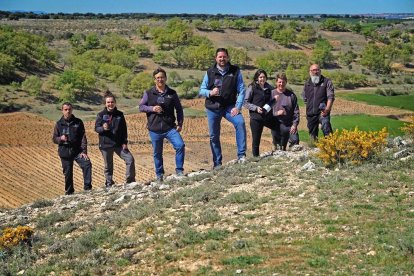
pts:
pixel 224 91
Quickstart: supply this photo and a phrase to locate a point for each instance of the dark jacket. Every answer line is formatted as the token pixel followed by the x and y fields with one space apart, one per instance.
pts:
pixel 315 94
pixel 77 138
pixel 227 84
pixel 117 135
pixel 258 97
pixel 289 102
pixel 165 121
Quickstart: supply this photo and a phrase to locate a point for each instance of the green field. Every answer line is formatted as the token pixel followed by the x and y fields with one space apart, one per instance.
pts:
pixel 367 123
pixel 402 101
pixel 363 122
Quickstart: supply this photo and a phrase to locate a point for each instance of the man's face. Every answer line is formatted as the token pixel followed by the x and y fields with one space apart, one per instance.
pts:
pixel 110 103
pixel 160 79
pixel 314 70
pixel 222 59
pixel 67 111
pixel 280 84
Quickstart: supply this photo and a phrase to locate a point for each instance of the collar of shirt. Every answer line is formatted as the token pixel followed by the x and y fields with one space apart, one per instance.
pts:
pixel 223 70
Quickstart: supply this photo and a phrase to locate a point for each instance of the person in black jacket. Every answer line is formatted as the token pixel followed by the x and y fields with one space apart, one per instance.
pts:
pixel 159 104
pixel 318 95
pixel 224 90
pixel 111 126
pixel 69 134
pixel 259 101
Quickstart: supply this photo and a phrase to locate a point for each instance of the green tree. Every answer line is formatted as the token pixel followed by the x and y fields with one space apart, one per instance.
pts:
pixel 266 29
pixel 306 35
pixel 92 41
pixel 375 59
pixel 322 54
pixel 142 50
pixel 347 58
pixel 285 37
pixel 162 58
pixel 7 67
pixel 143 31
pixel 238 56
pixel 33 85
pixel 114 42
pixel 141 82
pixel 123 58
pixel 334 25
pixel 186 87
pixel 67 94
pixel 78 79
pixel 174 77
pixel 215 25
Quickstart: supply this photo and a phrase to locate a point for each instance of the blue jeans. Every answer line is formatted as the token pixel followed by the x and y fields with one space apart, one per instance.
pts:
pixel 214 125
pixel 157 140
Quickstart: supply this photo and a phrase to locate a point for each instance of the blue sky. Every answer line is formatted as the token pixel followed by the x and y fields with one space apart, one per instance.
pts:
pixel 213 6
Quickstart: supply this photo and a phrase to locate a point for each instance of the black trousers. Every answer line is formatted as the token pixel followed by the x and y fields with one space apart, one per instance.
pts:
pixel 281 134
pixel 313 125
pixel 256 127
pixel 85 165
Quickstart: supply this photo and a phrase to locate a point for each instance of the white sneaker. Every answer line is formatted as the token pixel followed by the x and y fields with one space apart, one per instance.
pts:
pixel 242 160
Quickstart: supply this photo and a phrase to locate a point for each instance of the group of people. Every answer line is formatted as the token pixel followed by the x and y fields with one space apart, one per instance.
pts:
pixel 225 94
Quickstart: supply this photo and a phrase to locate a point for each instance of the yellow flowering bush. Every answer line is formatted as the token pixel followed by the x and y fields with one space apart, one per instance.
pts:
pixel 408 128
pixel 352 146
pixel 13 236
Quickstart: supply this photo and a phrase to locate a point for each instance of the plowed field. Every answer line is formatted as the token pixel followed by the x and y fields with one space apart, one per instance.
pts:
pixel 30 168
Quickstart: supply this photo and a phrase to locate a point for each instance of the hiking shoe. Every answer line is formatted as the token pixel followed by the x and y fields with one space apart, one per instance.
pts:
pixel 180 173
pixel 242 160
pixel 160 179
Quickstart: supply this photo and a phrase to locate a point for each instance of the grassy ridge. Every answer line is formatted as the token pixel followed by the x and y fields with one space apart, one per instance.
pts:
pixel 263 217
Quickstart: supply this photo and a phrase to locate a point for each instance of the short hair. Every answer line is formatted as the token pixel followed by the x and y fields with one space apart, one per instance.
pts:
pixel 222 50
pixel 159 70
pixel 66 103
pixel 281 76
pixel 108 94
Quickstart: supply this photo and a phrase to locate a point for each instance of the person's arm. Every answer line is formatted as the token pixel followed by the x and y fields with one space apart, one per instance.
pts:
pixel 84 142
pixel 296 112
pixel 330 93
pixel 124 131
pixel 179 111
pixel 247 100
pixel 304 95
pixel 143 104
pixel 56 135
pixel 99 125
pixel 241 90
pixel 204 91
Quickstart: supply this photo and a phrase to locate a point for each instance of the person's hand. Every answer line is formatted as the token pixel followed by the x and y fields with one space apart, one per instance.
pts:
pixel 234 111
pixel 157 109
pixel 259 110
pixel 84 156
pixel 281 112
pixel 325 112
pixel 215 92
pixel 105 126
pixel 293 129
pixel 276 97
pixel 179 128
pixel 63 138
